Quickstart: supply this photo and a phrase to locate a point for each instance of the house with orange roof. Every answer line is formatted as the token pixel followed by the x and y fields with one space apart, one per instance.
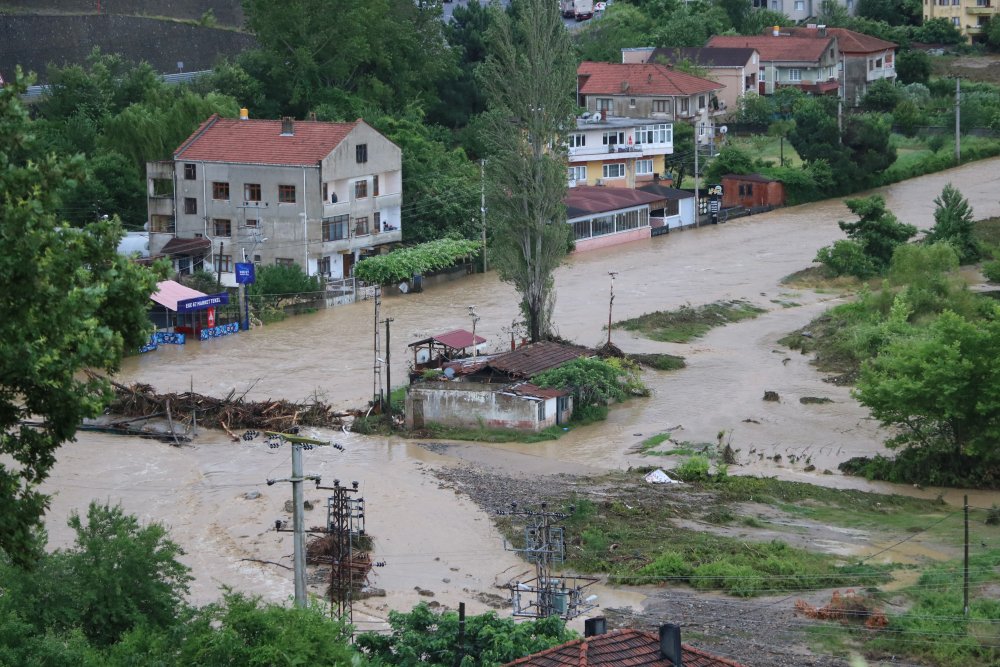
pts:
pixel 316 194
pixel 808 63
pixel 863 59
pixel 625 648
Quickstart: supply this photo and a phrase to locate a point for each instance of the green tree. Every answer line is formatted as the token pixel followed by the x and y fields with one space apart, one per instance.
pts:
pixel 117 575
pixel 621 26
pixel 940 388
pixel 425 637
pixel 277 283
pixel 908 117
pixel 867 138
pixel 953 223
pixel 460 97
pixel 913 66
pixel 594 381
pixel 239 630
pixel 893 12
pixel 877 230
pixel 691 25
pixel 993 33
pixel 754 109
pixel 730 160
pixel 938 31
pixel 70 303
pixel 883 96
pixel 529 79
pixel 387 52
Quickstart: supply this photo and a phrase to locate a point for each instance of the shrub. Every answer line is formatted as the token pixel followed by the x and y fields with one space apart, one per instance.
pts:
pixel 846 258
pixel 991 270
pixel 694 469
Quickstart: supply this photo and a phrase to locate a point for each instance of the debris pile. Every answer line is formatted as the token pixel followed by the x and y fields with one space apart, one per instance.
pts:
pixel 231 412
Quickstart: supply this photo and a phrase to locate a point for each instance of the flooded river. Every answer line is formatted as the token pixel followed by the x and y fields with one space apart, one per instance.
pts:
pixel 430 537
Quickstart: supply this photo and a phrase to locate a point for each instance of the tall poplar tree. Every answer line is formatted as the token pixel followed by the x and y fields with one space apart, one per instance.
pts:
pixel 528 78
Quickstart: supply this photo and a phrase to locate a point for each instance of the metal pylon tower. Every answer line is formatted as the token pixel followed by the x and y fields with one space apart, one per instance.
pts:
pixel 547 594
pixel 349 565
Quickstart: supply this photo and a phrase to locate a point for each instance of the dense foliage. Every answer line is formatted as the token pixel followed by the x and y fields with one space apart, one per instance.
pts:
pixel 70 302
pixel 871 241
pixel 594 381
pixel 423 636
pixel 403 264
pixel 953 224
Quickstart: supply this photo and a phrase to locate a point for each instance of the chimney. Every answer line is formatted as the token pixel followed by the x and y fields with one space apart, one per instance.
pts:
pixel 593 627
pixel 822 30
pixel 244 114
pixel 670 644
pixel 287 126
pixel 776 31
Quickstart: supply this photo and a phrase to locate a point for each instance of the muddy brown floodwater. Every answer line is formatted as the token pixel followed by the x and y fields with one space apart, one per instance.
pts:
pixel 430 537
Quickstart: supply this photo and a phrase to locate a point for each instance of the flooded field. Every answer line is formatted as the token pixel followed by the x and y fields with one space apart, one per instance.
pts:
pixel 430 537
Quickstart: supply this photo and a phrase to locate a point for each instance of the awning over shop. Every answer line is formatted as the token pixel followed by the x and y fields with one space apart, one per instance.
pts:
pixel 169 292
pixel 194 247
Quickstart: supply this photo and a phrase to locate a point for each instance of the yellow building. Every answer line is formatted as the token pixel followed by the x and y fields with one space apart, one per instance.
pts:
pixel 969 16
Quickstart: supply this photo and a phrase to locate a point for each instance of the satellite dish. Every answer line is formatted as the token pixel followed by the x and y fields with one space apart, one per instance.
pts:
pixel 596 117
pixel 723 129
pixel 449 372
pixel 404 287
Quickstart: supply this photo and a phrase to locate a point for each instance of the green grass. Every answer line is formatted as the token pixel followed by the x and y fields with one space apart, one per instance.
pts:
pixel 649 445
pixel 934 627
pixel 688 322
pixel 659 362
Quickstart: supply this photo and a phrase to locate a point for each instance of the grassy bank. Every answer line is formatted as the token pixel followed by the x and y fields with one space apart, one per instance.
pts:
pixel 689 322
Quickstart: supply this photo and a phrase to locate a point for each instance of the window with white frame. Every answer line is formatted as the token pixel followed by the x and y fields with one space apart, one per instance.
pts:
pixel 643 167
pixel 800 5
pixel 631 103
pixel 794 75
pixel 685 105
pixel 613 138
pixel 577 174
pixel 614 170
pixel 577 140
pixel 701 102
pixel 663 134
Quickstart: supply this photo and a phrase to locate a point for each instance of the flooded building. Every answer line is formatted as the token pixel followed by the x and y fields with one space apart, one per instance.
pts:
pixel 319 195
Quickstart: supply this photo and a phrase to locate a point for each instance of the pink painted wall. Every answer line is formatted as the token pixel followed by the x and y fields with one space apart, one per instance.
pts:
pixel 612 239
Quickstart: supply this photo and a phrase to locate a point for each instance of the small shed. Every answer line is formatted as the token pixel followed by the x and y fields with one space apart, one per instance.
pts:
pixel 752 191
pixel 432 352
pixel 674 209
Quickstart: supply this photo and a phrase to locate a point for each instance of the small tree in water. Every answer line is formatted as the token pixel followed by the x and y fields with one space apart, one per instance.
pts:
pixel 953 223
pixel 528 77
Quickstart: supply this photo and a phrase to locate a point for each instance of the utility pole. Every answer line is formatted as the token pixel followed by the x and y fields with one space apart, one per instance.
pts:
pixel 482 205
pixel 611 302
pixel 545 545
pixel 958 121
pixel 377 349
pixel 218 265
pixel 697 204
pixel 298 510
pixel 460 642
pixel 965 573
pixel 475 319
pixel 840 121
pixel 388 372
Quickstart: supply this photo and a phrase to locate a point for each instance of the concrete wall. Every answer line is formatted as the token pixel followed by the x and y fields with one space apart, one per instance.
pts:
pixel 35 41
pixel 469 404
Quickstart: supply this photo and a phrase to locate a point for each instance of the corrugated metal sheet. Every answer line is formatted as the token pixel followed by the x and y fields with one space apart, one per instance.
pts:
pixel 621 648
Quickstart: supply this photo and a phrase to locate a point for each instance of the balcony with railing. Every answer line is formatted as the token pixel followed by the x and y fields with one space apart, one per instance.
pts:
pixel 980 10
pixel 585 153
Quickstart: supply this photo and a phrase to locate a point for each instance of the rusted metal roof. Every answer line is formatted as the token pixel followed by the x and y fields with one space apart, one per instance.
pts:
pixel 179 246
pixel 459 339
pixel 530 360
pixel 534 391
pixel 620 648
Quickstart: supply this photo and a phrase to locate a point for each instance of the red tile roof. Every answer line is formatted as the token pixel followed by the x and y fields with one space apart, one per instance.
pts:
pixel 459 339
pixel 784 48
pixel 641 79
pixel 586 199
pixel 620 648
pixel 847 40
pixel 261 142
pixel 530 360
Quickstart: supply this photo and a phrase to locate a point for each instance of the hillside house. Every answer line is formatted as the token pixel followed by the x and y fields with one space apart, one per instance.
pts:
pixel 863 59
pixel 320 195
pixel 807 63
pixel 735 68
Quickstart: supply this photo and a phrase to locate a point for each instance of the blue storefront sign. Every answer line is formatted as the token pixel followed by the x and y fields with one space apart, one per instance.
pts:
pixel 244 273
pixel 202 302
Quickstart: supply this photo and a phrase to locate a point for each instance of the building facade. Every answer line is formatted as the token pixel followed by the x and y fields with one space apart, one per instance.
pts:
pixel 618 152
pixel 971 17
pixel 863 59
pixel 807 63
pixel 319 195
pixel 735 68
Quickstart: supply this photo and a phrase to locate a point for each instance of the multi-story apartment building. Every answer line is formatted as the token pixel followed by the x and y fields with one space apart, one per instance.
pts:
pixel 320 195
pixel 969 16
pixel 618 152
pixel 801 10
